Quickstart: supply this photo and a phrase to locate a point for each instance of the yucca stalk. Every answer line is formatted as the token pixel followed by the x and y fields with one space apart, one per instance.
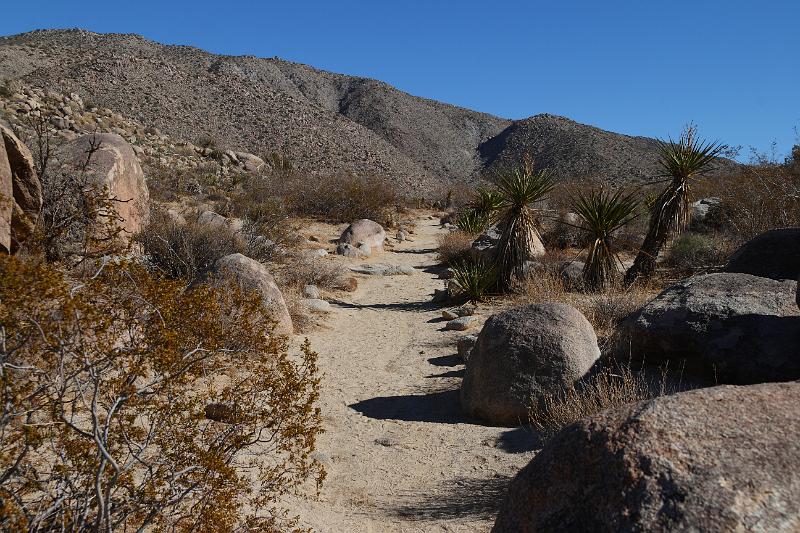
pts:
pixel 474 277
pixel 603 213
pixel 683 161
pixel 517 219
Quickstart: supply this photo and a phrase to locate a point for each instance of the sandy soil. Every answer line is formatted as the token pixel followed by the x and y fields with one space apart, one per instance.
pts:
pixel 400 455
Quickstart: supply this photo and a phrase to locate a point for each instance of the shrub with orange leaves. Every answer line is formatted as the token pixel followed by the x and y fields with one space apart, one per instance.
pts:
pixel 111 389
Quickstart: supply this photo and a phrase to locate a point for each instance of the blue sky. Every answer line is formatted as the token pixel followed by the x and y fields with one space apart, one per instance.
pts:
pixel 633 66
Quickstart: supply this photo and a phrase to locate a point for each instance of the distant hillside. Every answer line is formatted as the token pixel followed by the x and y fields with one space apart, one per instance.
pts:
pixel 323 122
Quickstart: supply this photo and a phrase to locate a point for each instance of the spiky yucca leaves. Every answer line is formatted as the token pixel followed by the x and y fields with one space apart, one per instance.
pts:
pixel 517 220
pixel 474 277
pixel 472 221
pixel 603 213
pixel 487 202
pixel 683 161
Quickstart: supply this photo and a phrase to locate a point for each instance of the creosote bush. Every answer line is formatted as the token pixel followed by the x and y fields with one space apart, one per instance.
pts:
pixel 128 402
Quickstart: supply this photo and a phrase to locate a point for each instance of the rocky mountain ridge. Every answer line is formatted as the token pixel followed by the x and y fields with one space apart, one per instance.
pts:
pixel 320 121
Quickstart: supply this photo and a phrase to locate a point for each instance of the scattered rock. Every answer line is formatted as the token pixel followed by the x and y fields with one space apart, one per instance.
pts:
pixel 725 328
pixel 461 324
pixel 311 291
pixel 402 235
pixel 364 231
pixel 717 459
pixel 317 252
pixel 522 354
pixel 378 269
pixel 449 315
pixel 348 250
pixel 365 249
pixel 20 192
pixel 212 219
pixel 774 254
pixel 466 310
pixel 387 441
pixel 465 345
pixel 316 305
pixel 253 276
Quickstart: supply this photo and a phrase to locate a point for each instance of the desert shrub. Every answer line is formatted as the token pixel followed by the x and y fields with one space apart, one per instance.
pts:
pixel 300 269
pixel 472 221
pixel 186 250
pixel 759 199
pixel 453 245
pixel 131 403
pixel 474 278
pixel 607 389
pixel 693 251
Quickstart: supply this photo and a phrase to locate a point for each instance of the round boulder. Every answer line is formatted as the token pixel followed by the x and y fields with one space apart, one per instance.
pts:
pixel 111 163
pixel 364 232
pixel 774 254
pixel 251 275
pixel 717 459
pixel 724 328
pixel 522 354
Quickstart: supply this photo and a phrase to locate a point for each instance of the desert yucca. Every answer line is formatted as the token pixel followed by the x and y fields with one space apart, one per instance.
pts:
pixel 474 277
pixel 602 213
pixel 472 221
pixel 683 162
pixel 517 220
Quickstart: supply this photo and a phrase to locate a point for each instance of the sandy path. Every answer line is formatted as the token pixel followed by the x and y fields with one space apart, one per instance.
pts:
pixel 400 456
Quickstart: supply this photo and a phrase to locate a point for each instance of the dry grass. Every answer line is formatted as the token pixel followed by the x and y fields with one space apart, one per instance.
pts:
pixel 604 310
pixel 607 389
pixel 453 245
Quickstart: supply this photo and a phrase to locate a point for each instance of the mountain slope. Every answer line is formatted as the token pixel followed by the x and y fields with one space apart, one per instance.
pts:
pixel 323 122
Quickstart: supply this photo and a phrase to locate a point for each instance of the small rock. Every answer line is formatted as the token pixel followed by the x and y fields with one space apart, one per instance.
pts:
pixel 461 324
pixel 387 441
pixel 465 346
pixel 466 310
pixel 348 250
pixel 449 315
pixel 311 291
pixel 315 305
pixel 317 252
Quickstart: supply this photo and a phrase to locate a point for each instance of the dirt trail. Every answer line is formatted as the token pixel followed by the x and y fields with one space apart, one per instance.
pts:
pixel 400 455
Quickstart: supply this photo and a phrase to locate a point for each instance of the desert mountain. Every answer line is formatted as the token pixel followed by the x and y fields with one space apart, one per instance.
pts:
pixel 322 122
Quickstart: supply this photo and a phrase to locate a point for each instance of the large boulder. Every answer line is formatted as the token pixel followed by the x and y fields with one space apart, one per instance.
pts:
pixel 364 232
pixel 485 245
pixel 774 254
pixel 523 354
pixel 717 459
pixel 725 328
pixel 20 192
pixel 251 275
pixel 112 164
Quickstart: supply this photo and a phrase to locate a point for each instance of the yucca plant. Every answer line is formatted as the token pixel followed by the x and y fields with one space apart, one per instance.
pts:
pixel 603 213
pixel 517 220
pixel 472 221
pixel 487 202
pixel 683 161
pixel 474 277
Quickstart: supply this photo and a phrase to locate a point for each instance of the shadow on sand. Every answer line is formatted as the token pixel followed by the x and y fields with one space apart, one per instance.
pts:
pixel 441 407
pixel 459 497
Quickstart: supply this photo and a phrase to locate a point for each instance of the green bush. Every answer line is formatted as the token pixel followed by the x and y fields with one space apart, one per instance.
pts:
pixel 474 278
pixel 691 251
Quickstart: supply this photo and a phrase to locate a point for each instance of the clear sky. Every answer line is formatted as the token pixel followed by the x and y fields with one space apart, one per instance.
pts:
pixel 642 67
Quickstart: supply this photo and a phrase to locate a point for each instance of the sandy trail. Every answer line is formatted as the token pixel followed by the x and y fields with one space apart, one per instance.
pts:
pixel 400 455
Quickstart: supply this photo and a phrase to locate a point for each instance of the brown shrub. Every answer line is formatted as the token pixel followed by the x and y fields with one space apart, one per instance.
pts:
pixel 453 245
pixel 607 389
pixel 104 387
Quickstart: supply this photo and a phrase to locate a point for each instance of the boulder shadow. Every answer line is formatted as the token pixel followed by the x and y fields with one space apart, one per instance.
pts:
pixel 449 374
pixel 445 360
pixel 519 440
pixel 459 497
pixel 441 407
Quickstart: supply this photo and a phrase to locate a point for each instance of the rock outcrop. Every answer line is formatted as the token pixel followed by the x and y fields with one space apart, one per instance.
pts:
pixel 714 460
pixel 522 354
pixel 109 161
pixel 725 328
pixel 251 275
pixel 20 192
